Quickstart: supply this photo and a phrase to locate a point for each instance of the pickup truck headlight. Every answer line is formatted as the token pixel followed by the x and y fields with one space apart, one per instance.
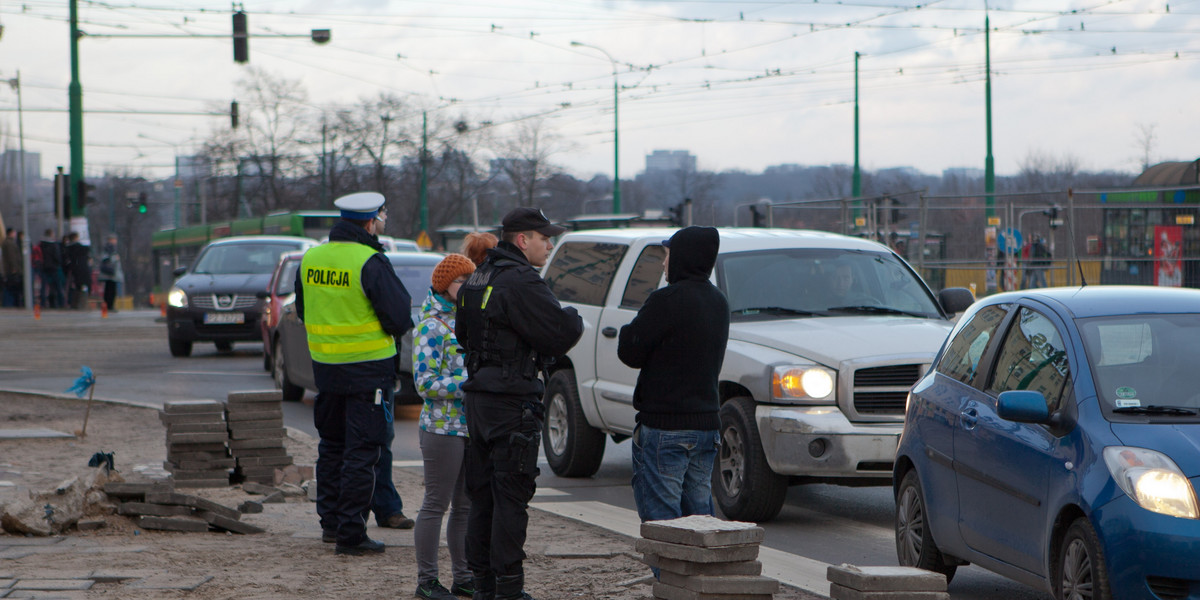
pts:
pixel 807 382
pixel 1153 480
pixel 177 298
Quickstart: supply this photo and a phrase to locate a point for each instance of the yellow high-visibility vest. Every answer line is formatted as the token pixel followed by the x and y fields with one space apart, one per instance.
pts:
pixel 341 323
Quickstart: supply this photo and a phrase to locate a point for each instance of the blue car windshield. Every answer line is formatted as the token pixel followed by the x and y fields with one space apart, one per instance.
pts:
pixel 1145 364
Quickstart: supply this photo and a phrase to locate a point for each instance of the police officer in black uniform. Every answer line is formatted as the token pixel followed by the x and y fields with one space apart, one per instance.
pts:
pixel 510 326
pixel 354 308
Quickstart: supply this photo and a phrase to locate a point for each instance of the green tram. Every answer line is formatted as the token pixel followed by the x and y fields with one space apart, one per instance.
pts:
pixel 1151 237
pixel 178 247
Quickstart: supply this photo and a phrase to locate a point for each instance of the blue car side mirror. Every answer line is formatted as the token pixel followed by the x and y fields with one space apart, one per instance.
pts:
pixel 1023 406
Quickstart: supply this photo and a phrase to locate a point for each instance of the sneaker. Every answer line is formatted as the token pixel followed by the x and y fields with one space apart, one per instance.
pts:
pixel 329 536
pixel 433 591
pixel 466 590
pixel 398 521
pixel 367 546
pixel 521 596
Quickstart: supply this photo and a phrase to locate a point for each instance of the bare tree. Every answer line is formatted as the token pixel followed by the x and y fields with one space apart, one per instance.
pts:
pixel 269 143
pixel 1145 139
pixel 1042 171
pixel 525 157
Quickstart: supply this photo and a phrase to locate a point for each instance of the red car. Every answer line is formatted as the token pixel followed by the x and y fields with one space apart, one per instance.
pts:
pixel 280 292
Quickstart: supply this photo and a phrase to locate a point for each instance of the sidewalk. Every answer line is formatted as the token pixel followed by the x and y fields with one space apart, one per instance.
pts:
pixel 567 558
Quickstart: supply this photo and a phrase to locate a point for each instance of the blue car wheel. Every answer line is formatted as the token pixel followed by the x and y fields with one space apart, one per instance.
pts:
pixel 914 542
pixel 1081 571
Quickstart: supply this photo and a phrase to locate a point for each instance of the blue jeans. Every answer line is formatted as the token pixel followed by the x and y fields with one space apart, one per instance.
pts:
pixel 386 501
pixel 672 472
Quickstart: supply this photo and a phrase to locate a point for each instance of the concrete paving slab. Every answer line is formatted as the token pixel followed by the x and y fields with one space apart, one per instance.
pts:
pixel 53 584
pixel 703 530
pixel 170 582
pixel 17 540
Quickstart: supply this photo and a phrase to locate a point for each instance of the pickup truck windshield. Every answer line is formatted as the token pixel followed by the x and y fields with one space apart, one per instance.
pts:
pixel 799 281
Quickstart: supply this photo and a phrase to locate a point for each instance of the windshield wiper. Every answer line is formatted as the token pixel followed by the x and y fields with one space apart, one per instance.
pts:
pixel 883 310
pixel 773 310
pixel 1156 410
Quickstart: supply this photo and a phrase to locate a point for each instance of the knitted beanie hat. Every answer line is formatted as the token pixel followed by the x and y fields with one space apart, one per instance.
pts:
pixel 451 267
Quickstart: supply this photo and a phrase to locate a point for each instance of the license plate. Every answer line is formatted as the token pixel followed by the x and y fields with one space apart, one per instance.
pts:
pixel 229 318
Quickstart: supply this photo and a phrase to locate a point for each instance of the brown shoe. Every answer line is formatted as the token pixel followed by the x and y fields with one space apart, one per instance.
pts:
pixel 398 521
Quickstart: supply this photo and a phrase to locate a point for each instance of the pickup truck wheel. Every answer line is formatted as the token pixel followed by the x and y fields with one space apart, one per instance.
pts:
pixel 573 448
pixel 743 484
pixel 291 391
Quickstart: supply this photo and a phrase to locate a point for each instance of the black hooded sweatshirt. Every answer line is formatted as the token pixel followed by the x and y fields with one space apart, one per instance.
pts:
pixel 678 339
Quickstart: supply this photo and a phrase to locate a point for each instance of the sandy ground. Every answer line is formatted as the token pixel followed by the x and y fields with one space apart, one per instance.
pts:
pixel 289 561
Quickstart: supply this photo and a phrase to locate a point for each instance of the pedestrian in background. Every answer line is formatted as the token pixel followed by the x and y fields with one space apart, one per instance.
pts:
pixel 79 271
pixel 439 372
pixel 354 308
pixel 510 325
pixel 12 262
pixel 52 272
pixel 110 270
pixel 678 341
pixel 476 245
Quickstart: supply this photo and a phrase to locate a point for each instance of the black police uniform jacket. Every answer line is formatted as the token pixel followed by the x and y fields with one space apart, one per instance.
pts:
pixel 392 305
pixel 678 340
pixel 508 321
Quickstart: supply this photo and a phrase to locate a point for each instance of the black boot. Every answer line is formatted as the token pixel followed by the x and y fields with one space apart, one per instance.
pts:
pixel 511 587
pixel 485 588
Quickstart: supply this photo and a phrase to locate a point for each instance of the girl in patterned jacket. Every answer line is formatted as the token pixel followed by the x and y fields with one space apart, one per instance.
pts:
pixel 438 372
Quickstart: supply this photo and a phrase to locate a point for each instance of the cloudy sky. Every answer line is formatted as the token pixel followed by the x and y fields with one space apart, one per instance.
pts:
pixel 742 85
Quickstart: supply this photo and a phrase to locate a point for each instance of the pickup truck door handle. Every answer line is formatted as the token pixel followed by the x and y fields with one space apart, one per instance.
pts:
pixel 609 332
pixel 970 417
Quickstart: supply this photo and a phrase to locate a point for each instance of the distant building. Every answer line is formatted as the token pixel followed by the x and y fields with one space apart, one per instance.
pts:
pixel 10 166
pixel 670 160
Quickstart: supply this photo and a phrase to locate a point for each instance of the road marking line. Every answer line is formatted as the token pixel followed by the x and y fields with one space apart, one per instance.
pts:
pixel 549 492
pixel 791 569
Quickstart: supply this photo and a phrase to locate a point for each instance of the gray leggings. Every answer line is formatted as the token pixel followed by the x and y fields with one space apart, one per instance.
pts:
pixel 444 487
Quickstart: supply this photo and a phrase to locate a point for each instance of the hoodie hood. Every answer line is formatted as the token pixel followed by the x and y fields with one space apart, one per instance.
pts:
pixel 693 253
pixel 436 305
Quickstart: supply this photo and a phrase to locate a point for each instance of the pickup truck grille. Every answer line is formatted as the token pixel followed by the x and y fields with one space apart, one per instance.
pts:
pixel 883 390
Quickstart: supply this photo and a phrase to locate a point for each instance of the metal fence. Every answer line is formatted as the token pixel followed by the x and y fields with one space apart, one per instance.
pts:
pixel 1134 236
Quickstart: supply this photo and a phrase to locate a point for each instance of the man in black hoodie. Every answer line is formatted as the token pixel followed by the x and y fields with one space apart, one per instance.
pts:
pixel 678 341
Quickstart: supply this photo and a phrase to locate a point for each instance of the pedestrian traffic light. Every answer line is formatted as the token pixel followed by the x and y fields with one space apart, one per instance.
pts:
pixel 756 216
pixel 83 193
pixel 241 39
pixel 141 204
pixel 676 214
pixel 233 114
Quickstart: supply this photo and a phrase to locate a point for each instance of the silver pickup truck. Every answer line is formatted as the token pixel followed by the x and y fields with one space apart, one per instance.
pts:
pixel 827 333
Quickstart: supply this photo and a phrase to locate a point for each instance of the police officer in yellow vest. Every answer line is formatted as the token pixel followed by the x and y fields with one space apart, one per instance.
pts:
pixel 354 309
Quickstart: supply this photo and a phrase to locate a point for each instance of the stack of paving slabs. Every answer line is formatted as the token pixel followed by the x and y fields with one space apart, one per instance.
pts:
pixel 157 506
pixel 196 453
pixel 256 435
pixel 848 582
pixel 705 558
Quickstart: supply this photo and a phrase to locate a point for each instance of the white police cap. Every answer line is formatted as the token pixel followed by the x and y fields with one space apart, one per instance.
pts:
pixel 361 206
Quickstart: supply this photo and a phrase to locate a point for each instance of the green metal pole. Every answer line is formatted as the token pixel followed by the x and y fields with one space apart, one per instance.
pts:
pixel 75 100
pixel 424 164
pixel 856 185
pixel 616 207
pixel 989 165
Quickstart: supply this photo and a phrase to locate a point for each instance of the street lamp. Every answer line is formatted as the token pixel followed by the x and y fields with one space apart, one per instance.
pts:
pixel 616 201
pixel 26 251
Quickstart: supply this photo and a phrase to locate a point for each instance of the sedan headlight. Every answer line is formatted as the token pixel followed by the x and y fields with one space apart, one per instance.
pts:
pixel 1153 480
pixel 177 298
pixel 804 382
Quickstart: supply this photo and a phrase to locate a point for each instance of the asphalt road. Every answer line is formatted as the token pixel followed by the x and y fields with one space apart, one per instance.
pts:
pixel 128 353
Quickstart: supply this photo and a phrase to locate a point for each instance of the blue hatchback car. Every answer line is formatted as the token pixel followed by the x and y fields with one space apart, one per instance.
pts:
pixel 1056 441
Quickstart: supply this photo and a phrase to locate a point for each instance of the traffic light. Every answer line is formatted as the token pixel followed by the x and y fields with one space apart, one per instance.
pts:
pixel 83 193
pixel 676 214
pixel 233 114
pixel 141 204
pixel 241 39
pixel 756 216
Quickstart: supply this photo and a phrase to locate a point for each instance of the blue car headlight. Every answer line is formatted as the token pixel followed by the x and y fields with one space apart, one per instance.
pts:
pixel 1153 480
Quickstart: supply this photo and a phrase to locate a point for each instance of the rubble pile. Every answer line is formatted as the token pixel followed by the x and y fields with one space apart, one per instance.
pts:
pixel 705 558
pixel 158 506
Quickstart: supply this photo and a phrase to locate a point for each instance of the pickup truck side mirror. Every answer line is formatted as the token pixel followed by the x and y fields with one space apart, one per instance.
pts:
pixel 955 300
